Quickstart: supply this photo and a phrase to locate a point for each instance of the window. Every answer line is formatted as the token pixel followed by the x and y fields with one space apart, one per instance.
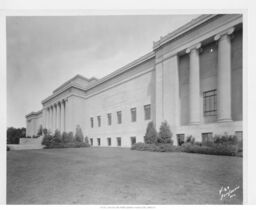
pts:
pixel 99 121
pixel 98 141
pixel 180 139
pixel 133 140
pixel 207 137
pixel 147 111
pixel 119 117
pixel 109 141
pixel 91 140
pixel 210 103
pixel 91 122
pixel 239 135
pixel 118 141
pixel 109 119
pixel 133 114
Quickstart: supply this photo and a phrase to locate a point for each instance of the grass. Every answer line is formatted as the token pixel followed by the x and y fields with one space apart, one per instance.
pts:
pixel 119 176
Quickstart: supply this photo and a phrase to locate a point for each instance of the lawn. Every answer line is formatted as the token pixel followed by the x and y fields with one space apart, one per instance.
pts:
pixel 120 176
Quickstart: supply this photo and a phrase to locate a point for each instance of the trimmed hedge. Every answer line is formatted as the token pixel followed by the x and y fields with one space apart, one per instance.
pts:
pixel 217 149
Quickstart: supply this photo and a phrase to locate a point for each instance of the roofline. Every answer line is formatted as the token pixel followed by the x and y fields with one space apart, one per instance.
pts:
pixel 34 113
pixel 183 29
pixel 104 79
pixel 65 83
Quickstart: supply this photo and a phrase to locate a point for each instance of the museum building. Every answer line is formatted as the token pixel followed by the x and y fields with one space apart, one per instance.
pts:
pixel 192 78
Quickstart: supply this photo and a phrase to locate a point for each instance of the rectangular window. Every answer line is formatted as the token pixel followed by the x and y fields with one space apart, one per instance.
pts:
pixel 210 103
pixel 119 117
pixel 109 119
pixel 99 121
pixel 133 140
pixel 180 139
pixel 91 122
pixel 119 141
pixel 109 141
pixel 206 137
pixel 91 141
pixel 147 112
pixel 133 114
pixel 98 139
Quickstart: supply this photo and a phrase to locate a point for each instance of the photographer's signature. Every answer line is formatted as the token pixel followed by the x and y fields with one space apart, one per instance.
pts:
pixel 227 192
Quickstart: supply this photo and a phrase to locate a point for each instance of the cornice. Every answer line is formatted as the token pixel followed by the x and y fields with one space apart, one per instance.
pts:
pixel 183 29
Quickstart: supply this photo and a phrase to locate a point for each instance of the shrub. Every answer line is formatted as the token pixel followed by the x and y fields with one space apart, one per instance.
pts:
pixel 151 134
pixel 56 137
pixel 190 139
pixel 45 131
pixel 165 134
pixel 79 134
pixel 86 140
pixel 155 147
pixel 40 131
pixel 70 137
pixel 47 139
pixel 225 139
pixel 65 137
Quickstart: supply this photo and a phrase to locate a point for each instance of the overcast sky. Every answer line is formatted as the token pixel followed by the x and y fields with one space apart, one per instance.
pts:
pixel 44 52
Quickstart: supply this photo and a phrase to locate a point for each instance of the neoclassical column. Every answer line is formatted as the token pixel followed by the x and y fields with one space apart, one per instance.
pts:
pixel 51 118
pixel 224 76
pixel 54 117
pixel 57 116
pixel 194 84
pixel 66 115
pixel 62 116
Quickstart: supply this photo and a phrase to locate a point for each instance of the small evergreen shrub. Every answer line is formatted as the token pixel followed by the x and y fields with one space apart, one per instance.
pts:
pixel 151 134
pixel 40 131
pixel 79 134
pixel 225 139
pixel 165 134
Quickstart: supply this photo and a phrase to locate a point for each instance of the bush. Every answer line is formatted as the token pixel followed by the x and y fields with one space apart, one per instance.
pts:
pixel 190 139
pixel 225 139
pixel 40 131
pixel 79 134
pixel 151 134
pixel 47 139
pixel 228 150
pixel 155 147
pixel 86 140
pixel 165 134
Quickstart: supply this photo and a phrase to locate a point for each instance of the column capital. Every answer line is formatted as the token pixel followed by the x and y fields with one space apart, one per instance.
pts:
pixel 224 33
pixel 193 47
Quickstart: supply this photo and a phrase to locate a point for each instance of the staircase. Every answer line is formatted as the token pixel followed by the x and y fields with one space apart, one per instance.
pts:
pixel 27 144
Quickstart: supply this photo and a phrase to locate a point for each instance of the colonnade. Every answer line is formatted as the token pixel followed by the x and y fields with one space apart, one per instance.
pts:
pixel 223 79
pixel 55 116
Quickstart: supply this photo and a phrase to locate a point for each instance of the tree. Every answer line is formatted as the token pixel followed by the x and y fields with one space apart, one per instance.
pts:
pixel 151 134
pixel 14 135
pixel 79 134
pixel 165 134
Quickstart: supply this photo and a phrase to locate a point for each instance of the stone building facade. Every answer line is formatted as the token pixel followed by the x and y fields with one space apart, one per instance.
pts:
pixel 193 79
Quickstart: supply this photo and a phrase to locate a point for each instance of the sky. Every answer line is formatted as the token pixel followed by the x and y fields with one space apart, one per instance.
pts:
pixel 44 52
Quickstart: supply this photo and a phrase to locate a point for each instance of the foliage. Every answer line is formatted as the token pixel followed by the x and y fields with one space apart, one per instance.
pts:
pixel 79 134
pixel 40 131
pixel 155 147
pixel 165 134
pixel 45 131
pixel 151 134
pixel 14 135
pixel 86 140
pixel 64 140
pixel 190 139
pixel 225 139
